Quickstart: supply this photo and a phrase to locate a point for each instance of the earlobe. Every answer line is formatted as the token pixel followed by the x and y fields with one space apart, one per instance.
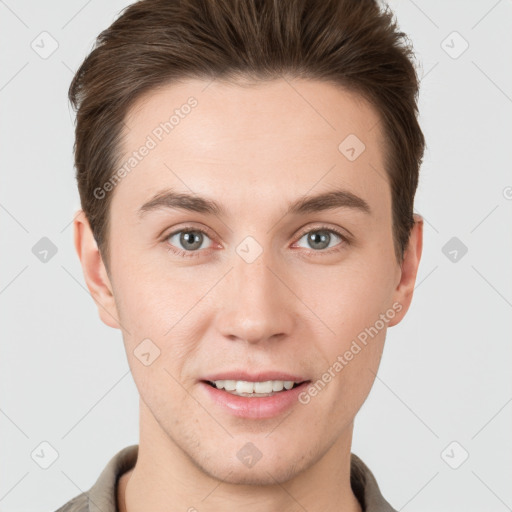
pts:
pixel 94 271
pixel 409 269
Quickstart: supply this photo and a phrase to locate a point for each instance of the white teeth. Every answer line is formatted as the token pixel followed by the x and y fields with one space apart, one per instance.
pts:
pixel 229 385
pixel 277 385
pixel 243 386
pixel 263 387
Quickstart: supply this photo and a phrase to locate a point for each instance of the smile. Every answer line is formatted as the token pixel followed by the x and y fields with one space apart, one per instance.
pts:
pixel 254 389
pixel 253 404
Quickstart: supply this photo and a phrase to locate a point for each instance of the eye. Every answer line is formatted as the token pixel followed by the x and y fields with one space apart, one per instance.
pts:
pixel 190 239
pixel 321 238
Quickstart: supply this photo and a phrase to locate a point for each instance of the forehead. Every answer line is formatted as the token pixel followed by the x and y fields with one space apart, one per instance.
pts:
pixel 213 138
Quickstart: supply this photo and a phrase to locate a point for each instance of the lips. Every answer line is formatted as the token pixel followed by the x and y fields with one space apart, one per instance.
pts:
pixel 256 406
pixel 252 407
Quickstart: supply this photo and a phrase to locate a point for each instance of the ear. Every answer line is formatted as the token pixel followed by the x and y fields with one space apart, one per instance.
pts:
pixel 409 269
pixel 95 274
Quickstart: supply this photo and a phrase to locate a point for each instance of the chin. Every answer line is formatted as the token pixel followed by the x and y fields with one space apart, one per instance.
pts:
pixel 277 468
pixel 255 476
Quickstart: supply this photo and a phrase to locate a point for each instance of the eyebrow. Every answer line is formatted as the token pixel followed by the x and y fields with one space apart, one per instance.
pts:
pixel 331 200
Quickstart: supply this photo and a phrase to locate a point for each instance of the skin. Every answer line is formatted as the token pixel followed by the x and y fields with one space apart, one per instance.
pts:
pixel 296 307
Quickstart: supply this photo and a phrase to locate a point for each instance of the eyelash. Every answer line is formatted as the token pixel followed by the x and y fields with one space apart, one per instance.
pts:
pixel 193 254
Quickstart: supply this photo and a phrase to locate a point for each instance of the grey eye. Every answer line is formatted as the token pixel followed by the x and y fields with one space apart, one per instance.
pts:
pixel 188 240
pixel 319 238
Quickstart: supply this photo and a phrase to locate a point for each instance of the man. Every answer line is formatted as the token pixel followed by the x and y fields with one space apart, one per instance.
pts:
pixel 247 172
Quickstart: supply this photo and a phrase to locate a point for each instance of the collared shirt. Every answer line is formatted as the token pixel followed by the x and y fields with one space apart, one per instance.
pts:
pixel 102 496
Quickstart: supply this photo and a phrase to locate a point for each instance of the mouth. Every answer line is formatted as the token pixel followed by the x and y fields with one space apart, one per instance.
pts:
pixel 254 389
pixel 253 399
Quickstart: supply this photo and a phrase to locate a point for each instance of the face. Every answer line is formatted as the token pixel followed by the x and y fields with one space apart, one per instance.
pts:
pixel 266 282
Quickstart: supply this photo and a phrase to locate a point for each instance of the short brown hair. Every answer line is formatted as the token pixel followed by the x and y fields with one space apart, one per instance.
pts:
pixel 353 43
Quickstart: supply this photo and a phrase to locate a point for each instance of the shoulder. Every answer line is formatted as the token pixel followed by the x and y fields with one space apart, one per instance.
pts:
pixel 102 496
pixel 79 503
pixel 366 488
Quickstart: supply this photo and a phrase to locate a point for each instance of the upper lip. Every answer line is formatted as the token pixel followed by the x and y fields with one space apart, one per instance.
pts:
pixel 255 377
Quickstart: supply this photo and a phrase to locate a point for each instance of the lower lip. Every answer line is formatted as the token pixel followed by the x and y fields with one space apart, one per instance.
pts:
pixel 255 407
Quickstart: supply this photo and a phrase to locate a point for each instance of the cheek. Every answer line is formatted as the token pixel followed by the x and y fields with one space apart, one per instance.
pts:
pixel 150 310
pixel 148 294
pixel 158 340
pixel 354 302
pixel 349 298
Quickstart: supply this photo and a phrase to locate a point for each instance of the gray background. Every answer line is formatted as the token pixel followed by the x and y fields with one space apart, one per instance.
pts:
pixel 445 375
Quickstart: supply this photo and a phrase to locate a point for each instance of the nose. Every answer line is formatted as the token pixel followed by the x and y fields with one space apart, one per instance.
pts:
pixel 255 301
